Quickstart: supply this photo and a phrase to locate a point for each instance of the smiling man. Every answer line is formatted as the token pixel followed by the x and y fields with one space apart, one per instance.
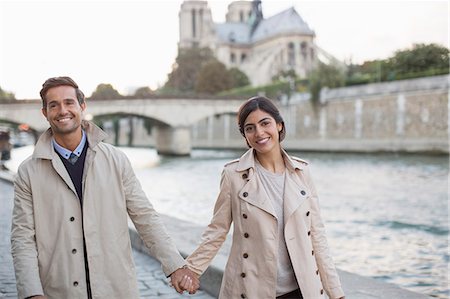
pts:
pixel 72 198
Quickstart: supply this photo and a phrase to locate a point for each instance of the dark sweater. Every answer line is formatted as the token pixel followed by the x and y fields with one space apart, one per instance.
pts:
pixel 76 171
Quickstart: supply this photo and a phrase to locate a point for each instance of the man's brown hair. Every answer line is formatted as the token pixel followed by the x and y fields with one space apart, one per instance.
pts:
pixel 60 81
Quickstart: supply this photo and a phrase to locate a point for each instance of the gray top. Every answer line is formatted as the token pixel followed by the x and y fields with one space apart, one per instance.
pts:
pixel 274 186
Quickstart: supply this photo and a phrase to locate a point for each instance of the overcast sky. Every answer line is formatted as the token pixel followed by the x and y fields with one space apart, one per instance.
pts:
pixel 134 43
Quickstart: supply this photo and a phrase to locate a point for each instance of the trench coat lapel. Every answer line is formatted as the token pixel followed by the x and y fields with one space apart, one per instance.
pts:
pixel 295 190
pixel 253 191
pixel 295 194
pixel 62 171
pixel 44 150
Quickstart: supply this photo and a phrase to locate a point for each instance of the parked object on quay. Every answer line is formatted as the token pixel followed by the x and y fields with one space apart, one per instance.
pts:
pixel 5 146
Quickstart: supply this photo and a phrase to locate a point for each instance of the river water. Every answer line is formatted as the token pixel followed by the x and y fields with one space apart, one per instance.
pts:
pixel 386 215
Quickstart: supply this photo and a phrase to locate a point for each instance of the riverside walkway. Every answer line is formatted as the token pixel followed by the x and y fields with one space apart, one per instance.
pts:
pixel 152 282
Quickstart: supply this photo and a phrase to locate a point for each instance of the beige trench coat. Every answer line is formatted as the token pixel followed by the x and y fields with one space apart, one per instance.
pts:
pixel 48 222
pixel 251 270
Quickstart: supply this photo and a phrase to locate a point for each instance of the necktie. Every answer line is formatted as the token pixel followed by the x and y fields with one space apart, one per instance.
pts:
pixel 73 158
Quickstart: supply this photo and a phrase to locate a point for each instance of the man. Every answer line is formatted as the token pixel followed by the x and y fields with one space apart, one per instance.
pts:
pixel 72 196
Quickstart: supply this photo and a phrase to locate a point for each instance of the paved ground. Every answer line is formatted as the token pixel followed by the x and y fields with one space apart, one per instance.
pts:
pixel 151 280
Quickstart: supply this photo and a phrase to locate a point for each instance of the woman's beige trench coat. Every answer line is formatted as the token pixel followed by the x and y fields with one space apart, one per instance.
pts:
pixel 251 270
pixel 48 222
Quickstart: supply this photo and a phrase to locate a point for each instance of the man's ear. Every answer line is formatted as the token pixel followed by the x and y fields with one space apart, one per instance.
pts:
pixel 44 111
pixel 83 106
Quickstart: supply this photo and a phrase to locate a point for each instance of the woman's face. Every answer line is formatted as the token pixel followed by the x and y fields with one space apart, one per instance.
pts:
pixel 262 131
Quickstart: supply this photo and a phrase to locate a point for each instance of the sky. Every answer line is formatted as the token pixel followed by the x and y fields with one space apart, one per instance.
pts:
pixel 131 44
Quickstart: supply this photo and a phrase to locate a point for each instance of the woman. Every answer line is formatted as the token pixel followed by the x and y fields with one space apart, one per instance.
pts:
pixel 279 247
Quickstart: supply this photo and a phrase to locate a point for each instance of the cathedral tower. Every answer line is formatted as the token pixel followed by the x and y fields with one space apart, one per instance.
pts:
pixel 196 25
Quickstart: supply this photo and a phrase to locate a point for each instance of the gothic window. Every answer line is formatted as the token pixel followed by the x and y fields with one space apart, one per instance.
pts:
pixel 243 57
pixel 304 50
pixel 193 23
pixel 291 55
pixel 241 16
pixel 232 58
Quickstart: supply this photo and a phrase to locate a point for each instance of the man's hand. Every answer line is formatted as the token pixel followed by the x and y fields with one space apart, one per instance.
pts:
pixel 185 280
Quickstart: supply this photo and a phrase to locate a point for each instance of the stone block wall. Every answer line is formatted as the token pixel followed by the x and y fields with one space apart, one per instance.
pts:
pixel 408 115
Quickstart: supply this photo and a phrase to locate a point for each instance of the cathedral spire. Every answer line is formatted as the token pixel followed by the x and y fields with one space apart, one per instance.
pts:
pixel 256 15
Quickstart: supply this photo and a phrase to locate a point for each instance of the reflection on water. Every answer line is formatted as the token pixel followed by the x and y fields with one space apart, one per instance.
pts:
pixel 386 215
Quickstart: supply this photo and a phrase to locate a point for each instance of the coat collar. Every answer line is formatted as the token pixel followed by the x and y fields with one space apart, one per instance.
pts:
pixel 44 148
pixel 247 161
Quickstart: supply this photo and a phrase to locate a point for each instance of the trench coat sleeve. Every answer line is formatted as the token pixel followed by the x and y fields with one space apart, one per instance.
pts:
pixel 23 239
pixel 327 270
pixel 148 223
pixel 216 232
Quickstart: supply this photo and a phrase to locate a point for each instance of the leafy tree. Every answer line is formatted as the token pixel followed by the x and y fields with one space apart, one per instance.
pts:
pixel 420 58
pixel 213 78
pixel 238 78
pixel 187 67
pixel 6 96
pixel 325 75
pixel 143 92
pixel 105 92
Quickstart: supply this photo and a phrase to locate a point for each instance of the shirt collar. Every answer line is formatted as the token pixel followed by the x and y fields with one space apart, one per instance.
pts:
pixel 65 152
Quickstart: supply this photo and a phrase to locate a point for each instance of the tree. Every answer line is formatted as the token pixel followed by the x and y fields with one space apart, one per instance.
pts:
pixel 105 92
pixel 143 92
pixel 420 58
pixel 213 78
pixel 325 75
pixel 187 67
pixel 238 78
pixel 6 96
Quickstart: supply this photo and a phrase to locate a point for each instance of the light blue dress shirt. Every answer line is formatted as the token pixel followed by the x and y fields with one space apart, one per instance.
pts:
pixel 65 152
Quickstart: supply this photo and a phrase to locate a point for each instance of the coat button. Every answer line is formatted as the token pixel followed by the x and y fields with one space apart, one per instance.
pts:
pixel 244 176
pixel 242 275
pixel 74 251
pixel 244 215
pixel 246 235
pixel 317 272
pixel 245 255
pixel 312 252
pixel 75 283
pixel 303 192
pixel 72 219
pixel 243 296
pixel 309 233
pixel 245 194
pixel 307 213
pixel 321 292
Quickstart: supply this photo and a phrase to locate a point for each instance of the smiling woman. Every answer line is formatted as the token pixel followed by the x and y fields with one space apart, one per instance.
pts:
pixel 279 245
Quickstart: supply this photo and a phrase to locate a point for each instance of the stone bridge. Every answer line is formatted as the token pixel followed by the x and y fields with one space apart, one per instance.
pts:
pixel 173 118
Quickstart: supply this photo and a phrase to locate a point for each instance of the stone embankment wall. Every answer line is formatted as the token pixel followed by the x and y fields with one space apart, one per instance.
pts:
pixel 401 116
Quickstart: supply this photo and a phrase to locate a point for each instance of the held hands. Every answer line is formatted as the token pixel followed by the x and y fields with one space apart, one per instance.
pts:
pixel 184 279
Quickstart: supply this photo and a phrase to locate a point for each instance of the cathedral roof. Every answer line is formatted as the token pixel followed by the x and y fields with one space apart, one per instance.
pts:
pixel 287 21
pixel 238 33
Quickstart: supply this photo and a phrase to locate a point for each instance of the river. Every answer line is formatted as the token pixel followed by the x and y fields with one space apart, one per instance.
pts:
pixel 386 214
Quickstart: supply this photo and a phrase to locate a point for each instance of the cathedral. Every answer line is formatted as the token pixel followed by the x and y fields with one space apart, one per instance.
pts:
pixel 260 47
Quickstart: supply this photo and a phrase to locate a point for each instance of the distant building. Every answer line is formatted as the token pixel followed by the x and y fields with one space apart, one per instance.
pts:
pixel 260 47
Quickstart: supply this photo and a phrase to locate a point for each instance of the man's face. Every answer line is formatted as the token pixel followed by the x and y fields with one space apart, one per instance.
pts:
pixel 63 111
